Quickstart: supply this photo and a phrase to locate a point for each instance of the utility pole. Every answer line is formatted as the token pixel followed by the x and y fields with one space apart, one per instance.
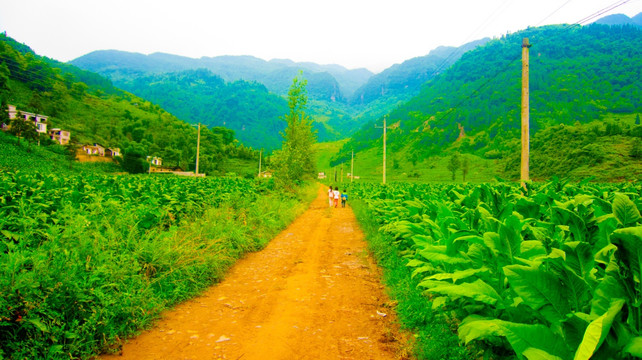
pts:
pixel 198 147
pixel 352 167
pixel 524 174
pixel 341 172
pixel 260 155
pixel 384 147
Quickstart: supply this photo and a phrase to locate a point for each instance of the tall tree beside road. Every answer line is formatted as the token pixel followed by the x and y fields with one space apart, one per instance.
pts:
pixel 295 160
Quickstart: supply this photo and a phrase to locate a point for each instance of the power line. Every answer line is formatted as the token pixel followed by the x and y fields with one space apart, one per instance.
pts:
pixel 578 23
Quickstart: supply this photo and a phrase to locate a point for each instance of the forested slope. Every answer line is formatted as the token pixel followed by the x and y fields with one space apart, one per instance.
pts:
pixel 97 112
pixel 577 74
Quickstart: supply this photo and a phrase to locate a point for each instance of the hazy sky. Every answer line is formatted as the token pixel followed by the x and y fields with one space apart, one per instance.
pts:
pixel 354 33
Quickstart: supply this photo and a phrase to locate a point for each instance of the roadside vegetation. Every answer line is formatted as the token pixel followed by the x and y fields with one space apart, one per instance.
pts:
pixel 548 272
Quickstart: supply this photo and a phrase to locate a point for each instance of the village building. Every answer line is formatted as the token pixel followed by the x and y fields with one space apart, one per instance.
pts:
pixel 95 149
pixel 112 152
pixel 60 136
pixel 155 160
pixel 39 120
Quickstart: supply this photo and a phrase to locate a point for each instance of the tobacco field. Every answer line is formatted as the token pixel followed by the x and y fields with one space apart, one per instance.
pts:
pixel 87 260
pixel 552 272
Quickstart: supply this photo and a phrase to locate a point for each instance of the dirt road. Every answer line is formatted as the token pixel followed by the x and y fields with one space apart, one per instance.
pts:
pixel 312 293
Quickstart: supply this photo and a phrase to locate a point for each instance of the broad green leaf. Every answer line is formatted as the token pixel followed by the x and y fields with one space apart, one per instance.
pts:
pixel 579 257
pixel 437 254
pixel 438 302
pixel 541 290
pixel 500 247
pixel 458 275
pixel 477 290
pixel 578 290
pixel 597 330
pixel 634 347
pixel 539 354
pixel 608 289
pixel 629 243
pixel 625 210
pixel 532 249
pixel 477 327
pixel 525 339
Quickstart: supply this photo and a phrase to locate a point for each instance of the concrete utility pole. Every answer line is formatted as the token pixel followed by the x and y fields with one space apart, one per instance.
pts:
pixel 524 175
pixel 341 172
pixel 198 147
pixel 384 147
pixel 352 167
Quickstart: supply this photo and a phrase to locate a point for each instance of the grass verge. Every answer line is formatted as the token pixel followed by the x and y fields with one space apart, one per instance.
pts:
pixel 435 338
pixel 99 278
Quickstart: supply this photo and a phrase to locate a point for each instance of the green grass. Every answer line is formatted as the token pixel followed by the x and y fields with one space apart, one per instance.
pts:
pixel 31 157
pixel 434 337
pixel 78 278
pixel 324 152
pixel 368 165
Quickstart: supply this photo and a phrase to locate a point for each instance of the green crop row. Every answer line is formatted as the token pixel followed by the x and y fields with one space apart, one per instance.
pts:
pixel 88 260
pixel 552 272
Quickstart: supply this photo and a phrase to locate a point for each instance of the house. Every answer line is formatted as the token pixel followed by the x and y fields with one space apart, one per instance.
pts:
pixel 112 152
pixel 60 136
pixel 39 120
pixel 265 174
pixel 95 149
pixel 155 160
pixel 321 175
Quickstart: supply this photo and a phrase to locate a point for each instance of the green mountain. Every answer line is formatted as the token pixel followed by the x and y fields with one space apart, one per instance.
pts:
pixel 621 19
pixel 401 82
pixel 198 96
pixel 325 82
pixel 251 115
pixel 404 80
pixel 97 112
pixel 578 75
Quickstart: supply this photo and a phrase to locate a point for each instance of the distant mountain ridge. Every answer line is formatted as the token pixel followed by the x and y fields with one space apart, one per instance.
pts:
pixel 621 19
pixel 326 82
pixel 406 78
pixel 579 75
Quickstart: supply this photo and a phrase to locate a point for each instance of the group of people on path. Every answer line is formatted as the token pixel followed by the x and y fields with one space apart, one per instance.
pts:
pixel 334 195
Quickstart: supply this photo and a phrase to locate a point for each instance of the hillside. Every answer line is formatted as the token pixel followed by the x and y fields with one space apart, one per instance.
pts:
pixel 97 112
pixel 249 109
pixel 621 19
pixel 578 75
pixel 325 81
pixel 404 80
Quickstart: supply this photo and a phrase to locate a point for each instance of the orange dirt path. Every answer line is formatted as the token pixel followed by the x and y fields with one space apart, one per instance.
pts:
pixel 312 293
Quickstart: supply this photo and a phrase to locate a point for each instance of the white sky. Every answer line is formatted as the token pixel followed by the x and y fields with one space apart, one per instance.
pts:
pixel 373 34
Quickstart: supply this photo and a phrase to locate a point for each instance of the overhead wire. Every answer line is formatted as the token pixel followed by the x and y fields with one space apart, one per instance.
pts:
pixel 517 58
pixel 472 35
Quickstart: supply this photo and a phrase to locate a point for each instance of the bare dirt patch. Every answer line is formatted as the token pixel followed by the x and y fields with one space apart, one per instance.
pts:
pixel 312 293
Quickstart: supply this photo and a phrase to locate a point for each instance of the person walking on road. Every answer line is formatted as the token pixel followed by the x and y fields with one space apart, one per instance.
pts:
pixel 336 194
pixel 330 196
pixel 344 198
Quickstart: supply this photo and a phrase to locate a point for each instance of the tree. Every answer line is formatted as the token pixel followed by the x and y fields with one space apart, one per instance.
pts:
pixel 453 164
pixel 20 127
pixel 134 161
pixel 295 160
pixel 637 119
pixel 71 150
pixel 464 167
pixel 636 149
